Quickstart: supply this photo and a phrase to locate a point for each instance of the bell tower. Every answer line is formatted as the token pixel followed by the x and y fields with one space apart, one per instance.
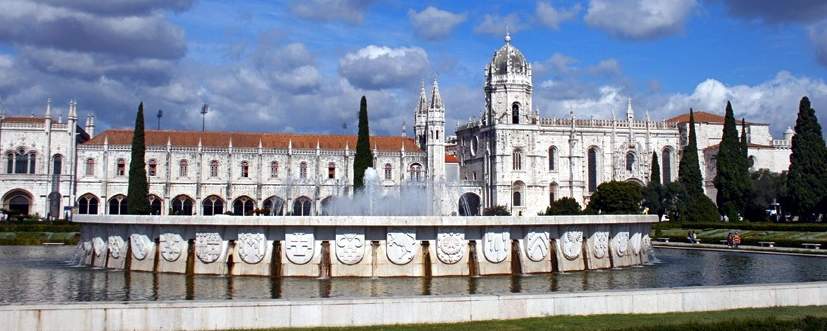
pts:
pixel 508 87
pixel 435 140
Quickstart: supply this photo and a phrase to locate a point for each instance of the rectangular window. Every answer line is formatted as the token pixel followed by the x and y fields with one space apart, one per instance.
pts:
pixel 331 170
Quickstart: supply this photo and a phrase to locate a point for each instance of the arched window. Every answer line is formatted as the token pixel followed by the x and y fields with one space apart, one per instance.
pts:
pixel 302 206
pixel 182 168
pixel 592 169
pixel 88 205
pixel 552 158
pixel 274 169
pixel 303 170
pixel 415 172
pixel 517 199
pixel 515 113
pixel 273 206
pixel 667 166
pixel 213 205
pixel 245 169
pixel 121 167
pixel 388 173
pixel 182 205
pixel 243 206
pixel 331 170
pixel 213 168
pixel 18 202
pixel 154 204
pixel 517 159
pixel 517 193
pixel 117 205
pixel 153 168
pixel 32 158
pixel 630 162
pixel 90 167
pixel 10 163
pixel 21 162
pixel 57 164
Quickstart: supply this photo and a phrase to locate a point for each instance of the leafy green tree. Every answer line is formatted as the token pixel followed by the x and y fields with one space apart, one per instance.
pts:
pixel 654 193
pixel 732 178
pixel 498 210
pixel 694 205
pixel 564 206
pixel 767 187
pixel 364 156
pixel 806 181
pixel 615 198
pixel 138 190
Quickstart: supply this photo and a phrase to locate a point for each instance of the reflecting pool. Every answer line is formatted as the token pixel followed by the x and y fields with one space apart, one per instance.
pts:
pixel 33 274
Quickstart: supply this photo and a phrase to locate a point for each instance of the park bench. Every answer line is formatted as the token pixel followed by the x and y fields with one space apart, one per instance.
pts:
pixel 666 240
pixel 766 243
pixel 811 245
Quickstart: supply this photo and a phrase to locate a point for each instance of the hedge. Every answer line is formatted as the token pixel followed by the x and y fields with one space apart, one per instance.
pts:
pixel 764 226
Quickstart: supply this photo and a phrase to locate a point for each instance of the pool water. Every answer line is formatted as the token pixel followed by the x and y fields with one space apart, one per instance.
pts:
pixel 43 274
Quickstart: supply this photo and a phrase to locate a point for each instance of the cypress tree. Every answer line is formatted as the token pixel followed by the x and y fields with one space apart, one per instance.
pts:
pixel 364 156
pixel 806 182
pixel 653 194
pixel 689 172
pixel 730 169
pixel 137 203
pixel 695 205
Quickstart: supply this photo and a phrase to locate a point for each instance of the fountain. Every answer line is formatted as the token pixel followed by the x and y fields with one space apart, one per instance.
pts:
pixel 373 233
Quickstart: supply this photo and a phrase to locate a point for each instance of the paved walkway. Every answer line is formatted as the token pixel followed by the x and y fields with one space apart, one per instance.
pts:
pixel 744 248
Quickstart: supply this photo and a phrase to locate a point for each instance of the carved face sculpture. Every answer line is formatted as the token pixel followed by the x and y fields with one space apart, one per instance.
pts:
pixel 299 246
pixel 116 246
pixel 251 247
pixel 572 244
pixel 208 246
pixel 171 246
pixel 350 247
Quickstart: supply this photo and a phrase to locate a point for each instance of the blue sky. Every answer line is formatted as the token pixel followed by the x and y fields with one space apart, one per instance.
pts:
pixel 302 66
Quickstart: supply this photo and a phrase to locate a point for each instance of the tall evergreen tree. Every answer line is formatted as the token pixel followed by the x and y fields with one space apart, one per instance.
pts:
pixel 689 172
pixel 732 178
pixel 137 203
pixel 694 206
pixel 653 194
pixel 806 182
pixel 364 156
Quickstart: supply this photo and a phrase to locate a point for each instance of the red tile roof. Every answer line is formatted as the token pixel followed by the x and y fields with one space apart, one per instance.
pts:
pixel 451 158
pixel 702 117
pixel 251 140
pixel 24 119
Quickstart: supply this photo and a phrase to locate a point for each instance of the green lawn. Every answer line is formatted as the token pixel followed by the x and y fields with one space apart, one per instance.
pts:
pixel 748 237
pixel 38 238
pixel 782 318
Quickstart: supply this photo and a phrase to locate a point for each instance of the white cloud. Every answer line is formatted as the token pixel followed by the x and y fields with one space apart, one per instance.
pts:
pixel 639 19
pixel 351 11
pixel 496 24
pixel 556 64
pixel 433 23
pixel 379 67
pixel 606 67
pixel 553 17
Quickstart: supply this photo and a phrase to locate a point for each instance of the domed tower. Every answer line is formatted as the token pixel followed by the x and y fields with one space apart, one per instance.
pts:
pixel 508 87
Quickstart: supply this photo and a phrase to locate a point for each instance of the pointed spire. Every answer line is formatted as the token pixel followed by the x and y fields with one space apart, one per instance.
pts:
pixel 199 142
pixel 507 35
pixel 422 104
pixel 404 130
pixel 260 145
pixel 436 99
pixel 49 108
pixel 630 113
pixel 73 115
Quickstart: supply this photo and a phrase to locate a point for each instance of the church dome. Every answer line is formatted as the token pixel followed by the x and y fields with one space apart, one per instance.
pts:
pixel 508 59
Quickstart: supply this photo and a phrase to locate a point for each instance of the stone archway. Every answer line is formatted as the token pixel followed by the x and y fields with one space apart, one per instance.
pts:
pixel 469 204
pixel 18 202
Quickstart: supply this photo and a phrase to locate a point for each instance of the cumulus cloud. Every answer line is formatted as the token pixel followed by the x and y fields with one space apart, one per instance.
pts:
pixel 433 23
pixel 639 19
pixel 350 11
pixel 380 67
pixel 606 67
pixel 496 24
pixel 553 17
pixel 556 64
pixel 771 11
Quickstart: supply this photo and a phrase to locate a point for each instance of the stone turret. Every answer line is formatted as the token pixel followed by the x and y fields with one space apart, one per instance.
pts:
pixel 90 124
pixel 421 117
pixel 435 140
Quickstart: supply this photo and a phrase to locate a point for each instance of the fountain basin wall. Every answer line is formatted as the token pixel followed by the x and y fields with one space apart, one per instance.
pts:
pixel 364 246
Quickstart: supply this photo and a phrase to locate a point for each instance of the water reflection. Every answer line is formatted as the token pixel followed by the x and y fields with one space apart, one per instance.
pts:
pixel 40 274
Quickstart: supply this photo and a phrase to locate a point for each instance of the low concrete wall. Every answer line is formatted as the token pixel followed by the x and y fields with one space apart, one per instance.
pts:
pixel 364 246
pixel 212 315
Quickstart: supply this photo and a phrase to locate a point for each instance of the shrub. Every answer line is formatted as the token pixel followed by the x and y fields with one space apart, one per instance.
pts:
pixel 564 206
pixel 496 211
pixel 615 198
